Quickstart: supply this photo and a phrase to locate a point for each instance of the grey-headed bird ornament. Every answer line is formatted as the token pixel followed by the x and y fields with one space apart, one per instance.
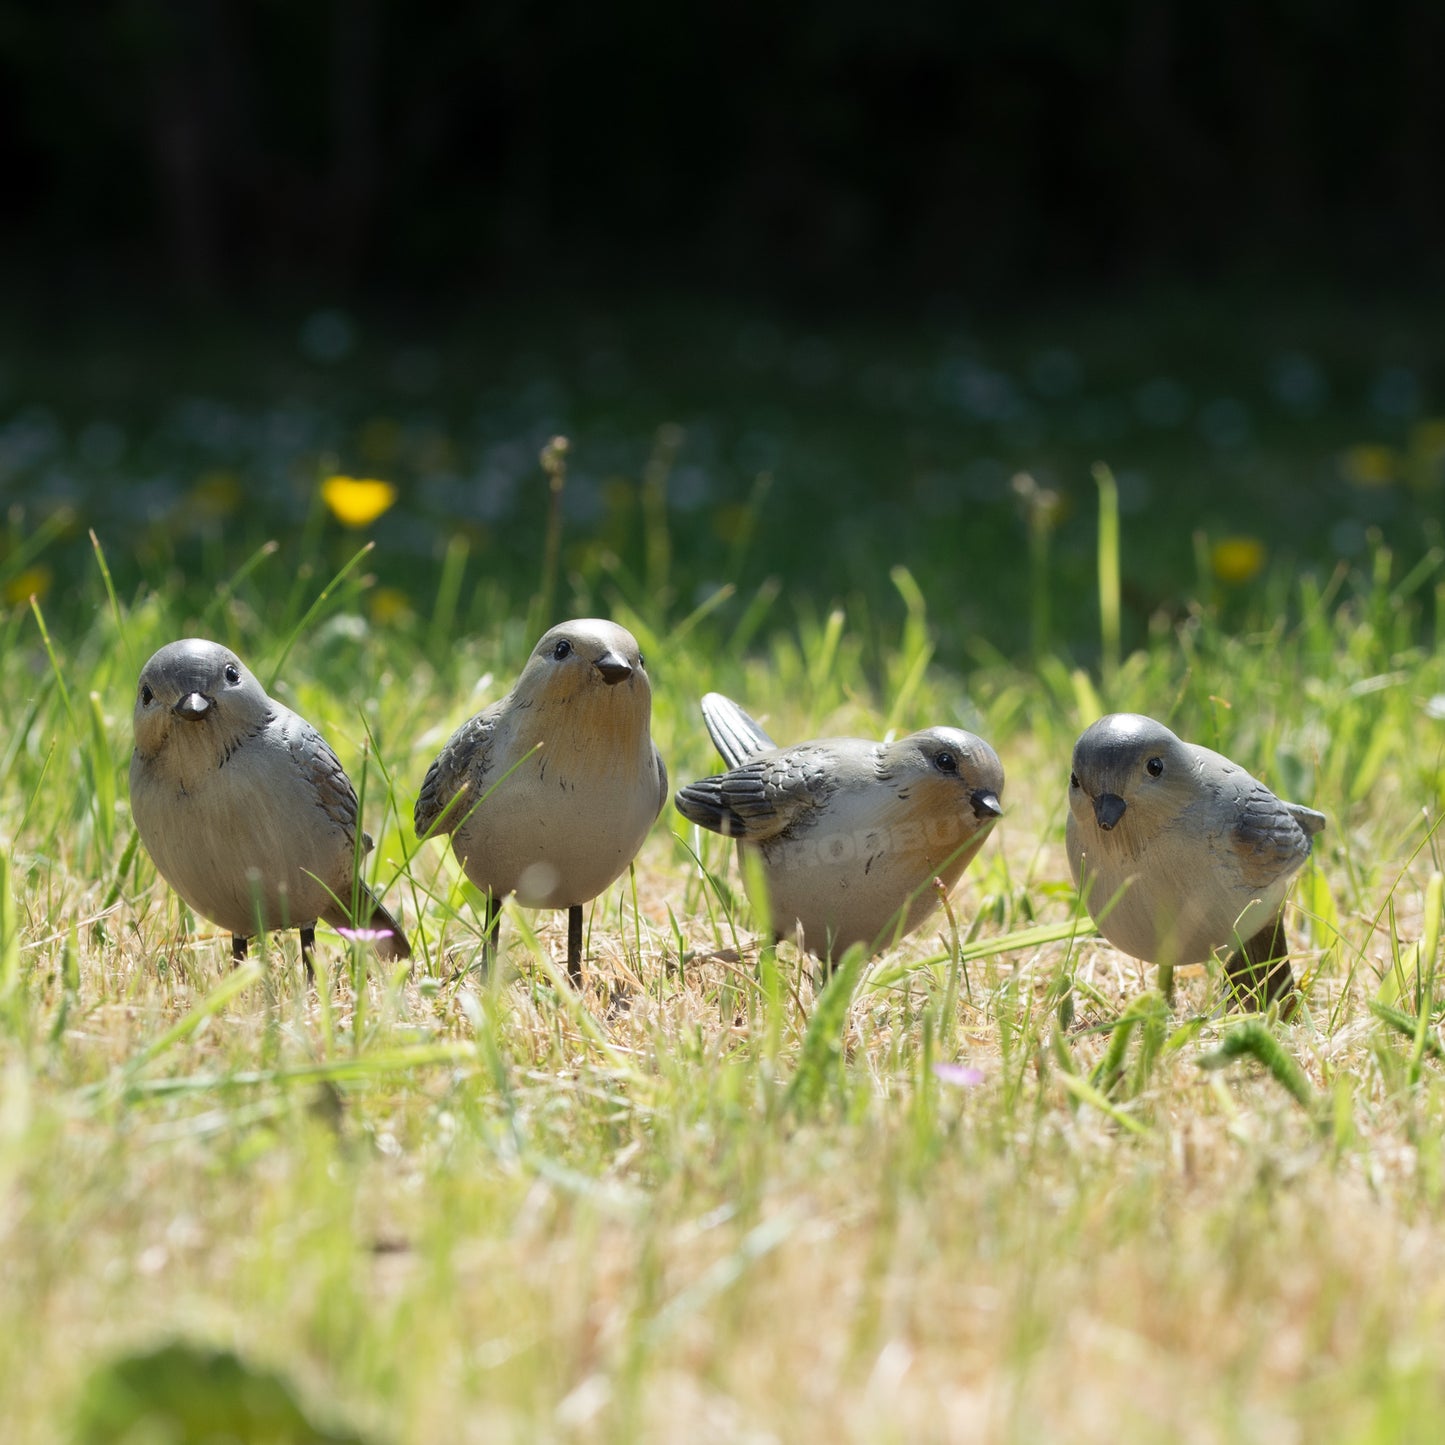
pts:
pixel 549 793
pixel 244 807
pixel 1179 853
pixel 853 837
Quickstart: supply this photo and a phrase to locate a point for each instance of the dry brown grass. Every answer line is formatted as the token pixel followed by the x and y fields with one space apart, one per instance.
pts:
pixel 460 1209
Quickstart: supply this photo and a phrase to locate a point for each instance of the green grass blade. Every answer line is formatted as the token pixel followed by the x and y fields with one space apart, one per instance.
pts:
pixel 823 1042
pixel 1253 1040
pixel 311 612
pixel 1086 1093
pixel 1109 568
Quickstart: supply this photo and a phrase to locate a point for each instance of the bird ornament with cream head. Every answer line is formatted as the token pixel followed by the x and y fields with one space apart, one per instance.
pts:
pixel 549 793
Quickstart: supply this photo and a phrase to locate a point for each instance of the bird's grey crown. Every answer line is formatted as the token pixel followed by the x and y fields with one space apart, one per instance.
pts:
pixel 1118 740
pixel 191 665
pixel 595 632
pixel 972 754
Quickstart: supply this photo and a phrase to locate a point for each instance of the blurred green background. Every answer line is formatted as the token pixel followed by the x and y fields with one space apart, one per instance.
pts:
pixel 811 293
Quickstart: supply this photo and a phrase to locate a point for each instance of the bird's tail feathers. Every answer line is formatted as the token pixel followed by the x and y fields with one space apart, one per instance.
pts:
pixel 392 944
pixel 736 735
pixel 1259 973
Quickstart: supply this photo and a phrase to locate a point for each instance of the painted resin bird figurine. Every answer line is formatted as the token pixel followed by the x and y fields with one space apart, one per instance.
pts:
pixel 549 793
pixel 1179 852
pixel 243 806
pixel 851 834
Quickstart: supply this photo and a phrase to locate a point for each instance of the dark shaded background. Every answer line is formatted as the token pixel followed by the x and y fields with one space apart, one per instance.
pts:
pixel 806 284
pixel 234 148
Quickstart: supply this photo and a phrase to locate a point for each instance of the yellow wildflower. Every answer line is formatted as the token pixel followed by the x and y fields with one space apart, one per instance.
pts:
pixel 389 604
pixel 357 501
pixel 1427 439
pixel 217 494
pixel 1370 465
pixel 31 582
pixel 1237 559
pixel 732 523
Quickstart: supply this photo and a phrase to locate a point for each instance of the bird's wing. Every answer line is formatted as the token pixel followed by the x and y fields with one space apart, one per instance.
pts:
pixel 1268 838
pixel 1311 821
pixel 320 769
pixel 460 769
pixel 735 735
pixel 761 799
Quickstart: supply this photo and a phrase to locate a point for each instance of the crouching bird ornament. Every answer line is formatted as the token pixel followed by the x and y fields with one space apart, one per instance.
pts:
pixel 854 838
pixel 1179 853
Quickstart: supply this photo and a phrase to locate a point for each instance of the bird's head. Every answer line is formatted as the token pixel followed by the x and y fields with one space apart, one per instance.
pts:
pixel 1128 767
pixel 953 780
pixel 196 695
pixel 593 668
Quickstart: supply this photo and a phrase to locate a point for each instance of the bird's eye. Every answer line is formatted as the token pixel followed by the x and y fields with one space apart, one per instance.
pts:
pixel 233 673
pixel 562 649
pixel 1073 780
pixel 641 661
pixel 1154 767
pixel 147 697
pixel 946 762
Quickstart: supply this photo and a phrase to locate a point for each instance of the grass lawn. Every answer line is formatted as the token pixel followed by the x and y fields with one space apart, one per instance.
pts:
pixel 989 1187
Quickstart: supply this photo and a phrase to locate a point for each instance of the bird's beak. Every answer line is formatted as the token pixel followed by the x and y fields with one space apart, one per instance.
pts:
pixel 614 669
pixel 193 706
pixel 986 805
pixel 1108 809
